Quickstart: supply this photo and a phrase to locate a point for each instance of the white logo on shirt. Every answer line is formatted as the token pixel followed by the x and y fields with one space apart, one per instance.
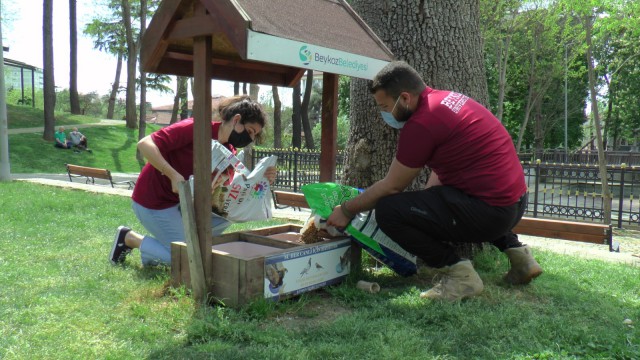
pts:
pixel 454 101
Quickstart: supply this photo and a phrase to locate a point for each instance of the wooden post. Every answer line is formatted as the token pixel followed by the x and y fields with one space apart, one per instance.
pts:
pixel 202 73
pixel 329 143
pixel 196 269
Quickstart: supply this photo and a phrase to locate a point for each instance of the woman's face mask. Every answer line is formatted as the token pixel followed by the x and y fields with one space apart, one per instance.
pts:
pixel 240 139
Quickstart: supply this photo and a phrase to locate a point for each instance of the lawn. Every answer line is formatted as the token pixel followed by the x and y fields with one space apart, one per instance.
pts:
pixel 22 116
pixel 114 148
pixel 61 299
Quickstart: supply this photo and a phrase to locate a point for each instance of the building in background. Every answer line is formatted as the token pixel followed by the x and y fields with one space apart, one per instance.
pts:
pixel 24 78
pixel 161 115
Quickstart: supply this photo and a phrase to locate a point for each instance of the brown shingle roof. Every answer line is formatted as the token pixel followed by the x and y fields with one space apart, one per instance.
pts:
pixel 168 43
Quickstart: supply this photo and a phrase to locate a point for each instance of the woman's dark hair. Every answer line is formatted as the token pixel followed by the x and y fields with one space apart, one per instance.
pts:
pixel 250 112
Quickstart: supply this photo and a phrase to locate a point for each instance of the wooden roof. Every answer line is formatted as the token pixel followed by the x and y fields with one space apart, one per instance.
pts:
pixel 266 42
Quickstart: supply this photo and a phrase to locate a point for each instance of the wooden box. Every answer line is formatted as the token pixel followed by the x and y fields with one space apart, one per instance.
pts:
pixel 269 263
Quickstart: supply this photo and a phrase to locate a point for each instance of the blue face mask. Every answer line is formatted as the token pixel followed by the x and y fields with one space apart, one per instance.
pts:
pixel 390 119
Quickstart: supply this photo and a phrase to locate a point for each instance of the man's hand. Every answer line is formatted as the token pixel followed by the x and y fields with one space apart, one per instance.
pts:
pixel 338 219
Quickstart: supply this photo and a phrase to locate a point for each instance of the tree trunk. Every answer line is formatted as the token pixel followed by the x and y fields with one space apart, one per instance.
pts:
pixel 114 88
pixel 73 59
pixel 132 60
pixel 296 120
pixel 304 111
pixel 236 88
pixel 142 123
pixel 277 121
pixel 441 40
pixel 179 101
pixel 602 161
pixel 48 79
pixel 254 90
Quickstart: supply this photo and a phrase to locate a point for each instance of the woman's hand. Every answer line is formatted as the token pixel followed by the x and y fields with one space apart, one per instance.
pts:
pixel 176 179
pixel 271 174
pixel 219 181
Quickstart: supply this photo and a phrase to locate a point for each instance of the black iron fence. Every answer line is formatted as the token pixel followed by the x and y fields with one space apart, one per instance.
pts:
pixel 573 191
pixel 297 167
pixel 556 190
pixel 631 158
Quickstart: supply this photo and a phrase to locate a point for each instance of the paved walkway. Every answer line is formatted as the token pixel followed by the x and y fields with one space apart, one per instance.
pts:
pixel 572 248
pixel 40 129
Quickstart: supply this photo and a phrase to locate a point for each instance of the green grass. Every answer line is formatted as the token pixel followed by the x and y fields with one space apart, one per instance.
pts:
pixel 61 299
pixel 114 148
pixel 19 116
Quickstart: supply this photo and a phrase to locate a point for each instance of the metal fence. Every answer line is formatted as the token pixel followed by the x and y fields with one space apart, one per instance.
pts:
pixel 556 190
pixel 297 167
pixel 571 191
pixel 631 158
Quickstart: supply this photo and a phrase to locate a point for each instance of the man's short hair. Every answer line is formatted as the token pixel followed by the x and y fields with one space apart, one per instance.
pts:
pixel 397 77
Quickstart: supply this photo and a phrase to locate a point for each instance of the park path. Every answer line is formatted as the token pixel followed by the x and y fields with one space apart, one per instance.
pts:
pixel 40 129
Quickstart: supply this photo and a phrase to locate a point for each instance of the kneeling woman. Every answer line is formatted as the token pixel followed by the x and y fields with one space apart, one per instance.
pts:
pixel 169 153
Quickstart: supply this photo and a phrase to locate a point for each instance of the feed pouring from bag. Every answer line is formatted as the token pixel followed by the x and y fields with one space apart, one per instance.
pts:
pixel 323 197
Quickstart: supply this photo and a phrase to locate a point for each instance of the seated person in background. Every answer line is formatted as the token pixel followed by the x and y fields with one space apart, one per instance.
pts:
pixel 78 139
pixel 61 139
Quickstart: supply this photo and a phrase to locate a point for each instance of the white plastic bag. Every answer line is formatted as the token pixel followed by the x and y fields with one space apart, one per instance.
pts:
pixel 248 197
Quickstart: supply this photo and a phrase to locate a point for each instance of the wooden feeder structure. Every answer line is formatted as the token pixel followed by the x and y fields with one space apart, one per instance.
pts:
pixel 262 42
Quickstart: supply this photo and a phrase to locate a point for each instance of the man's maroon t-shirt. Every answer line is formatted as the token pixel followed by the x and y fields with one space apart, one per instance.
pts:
pixel 153 190
pixel 465 145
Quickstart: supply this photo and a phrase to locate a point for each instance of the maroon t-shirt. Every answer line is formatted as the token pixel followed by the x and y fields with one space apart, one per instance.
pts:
pixel 153 190
pixel 465 145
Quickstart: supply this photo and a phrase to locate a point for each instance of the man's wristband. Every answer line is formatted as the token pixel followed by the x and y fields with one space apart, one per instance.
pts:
pixel 346 211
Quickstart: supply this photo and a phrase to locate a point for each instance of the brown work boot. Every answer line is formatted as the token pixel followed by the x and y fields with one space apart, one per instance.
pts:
pixel 524 267
pixel 458 281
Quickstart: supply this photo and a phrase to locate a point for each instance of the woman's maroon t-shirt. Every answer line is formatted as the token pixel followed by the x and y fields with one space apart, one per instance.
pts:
pixel 465 145
pixel 153 190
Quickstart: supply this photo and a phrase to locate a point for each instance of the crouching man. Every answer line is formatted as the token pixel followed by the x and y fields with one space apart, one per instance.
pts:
pixel 476 193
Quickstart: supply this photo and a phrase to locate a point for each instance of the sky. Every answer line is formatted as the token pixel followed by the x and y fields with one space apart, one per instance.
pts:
pixel 22 33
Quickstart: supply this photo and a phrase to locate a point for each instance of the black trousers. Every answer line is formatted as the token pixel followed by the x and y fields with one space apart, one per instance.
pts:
pixel 427 222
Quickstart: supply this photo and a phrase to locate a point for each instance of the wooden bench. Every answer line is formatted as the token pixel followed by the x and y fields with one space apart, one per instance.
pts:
pixel 557 229
pixel 283 199
pixel 568 230
pixel 90 173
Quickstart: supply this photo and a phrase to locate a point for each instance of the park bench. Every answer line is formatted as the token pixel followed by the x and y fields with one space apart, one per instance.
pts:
pixel 283 199
pixel 557 229
pixel 90 173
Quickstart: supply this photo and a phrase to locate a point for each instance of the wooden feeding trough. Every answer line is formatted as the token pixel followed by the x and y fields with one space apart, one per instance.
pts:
pixel 263 42
pixel 268 263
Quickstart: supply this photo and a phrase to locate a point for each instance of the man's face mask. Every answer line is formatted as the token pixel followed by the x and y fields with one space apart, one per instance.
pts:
pixel 240 140
pixel 391 120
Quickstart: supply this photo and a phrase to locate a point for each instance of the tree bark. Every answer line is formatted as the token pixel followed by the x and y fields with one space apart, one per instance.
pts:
pixel 48 78
pixel 114 88
pixel 180 100
pixel 304 111
pixel 296 122
pixel 142 123
pixel 602 161
pixel 73 59
pixel 277 121
pixel 132 59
